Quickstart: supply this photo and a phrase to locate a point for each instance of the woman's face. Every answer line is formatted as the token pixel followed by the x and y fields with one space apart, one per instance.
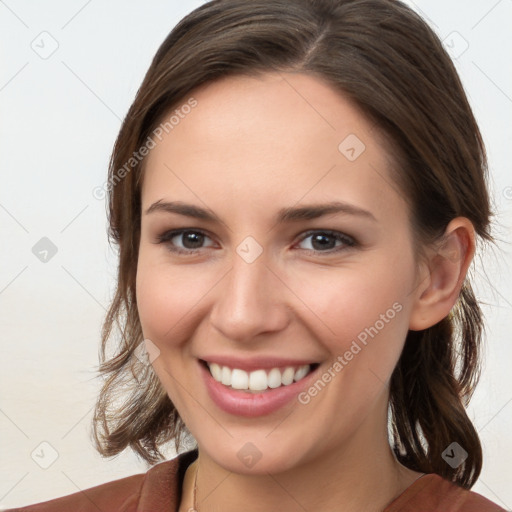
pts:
pixel 263 280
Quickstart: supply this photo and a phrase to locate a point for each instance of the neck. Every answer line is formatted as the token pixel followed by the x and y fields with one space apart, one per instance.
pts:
pixel 360 474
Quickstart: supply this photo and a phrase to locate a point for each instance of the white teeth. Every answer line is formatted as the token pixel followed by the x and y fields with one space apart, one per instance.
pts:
pixel 274 378
pixel 257 380
pixel 300 373
pixel 239 379
pixel 226 376
pixel 287 376
pixel 216 371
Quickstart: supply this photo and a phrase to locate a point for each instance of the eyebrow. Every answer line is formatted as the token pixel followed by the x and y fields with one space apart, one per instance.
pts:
pixel 289 214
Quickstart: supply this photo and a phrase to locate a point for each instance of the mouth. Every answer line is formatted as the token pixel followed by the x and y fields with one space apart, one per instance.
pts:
pixel 258 380
pixel 256 386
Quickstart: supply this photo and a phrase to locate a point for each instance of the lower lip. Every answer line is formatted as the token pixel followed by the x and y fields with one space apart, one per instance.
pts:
pixel 250 405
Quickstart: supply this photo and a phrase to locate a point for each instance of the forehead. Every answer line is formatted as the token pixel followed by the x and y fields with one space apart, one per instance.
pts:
pixel 270 139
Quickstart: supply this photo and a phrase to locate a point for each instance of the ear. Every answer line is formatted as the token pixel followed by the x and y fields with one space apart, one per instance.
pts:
pixel 442 275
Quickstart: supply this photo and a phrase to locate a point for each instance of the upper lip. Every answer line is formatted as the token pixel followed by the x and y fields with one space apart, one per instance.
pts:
pixel 256 362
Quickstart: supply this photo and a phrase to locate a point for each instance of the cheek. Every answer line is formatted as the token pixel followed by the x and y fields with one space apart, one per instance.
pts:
pixel 347 301
pixel 360 313
pixel 168 299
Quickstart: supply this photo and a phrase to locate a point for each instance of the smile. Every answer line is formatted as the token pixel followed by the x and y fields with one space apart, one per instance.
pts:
pixel 262 386
pixel 260 379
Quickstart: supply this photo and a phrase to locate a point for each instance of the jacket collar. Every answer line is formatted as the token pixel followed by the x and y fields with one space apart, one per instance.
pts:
pixel 161 488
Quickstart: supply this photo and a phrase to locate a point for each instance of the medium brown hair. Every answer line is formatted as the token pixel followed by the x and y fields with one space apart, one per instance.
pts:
pixel 384 58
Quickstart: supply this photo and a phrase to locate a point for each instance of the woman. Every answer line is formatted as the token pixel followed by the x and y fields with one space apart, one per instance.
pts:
pixel 297 193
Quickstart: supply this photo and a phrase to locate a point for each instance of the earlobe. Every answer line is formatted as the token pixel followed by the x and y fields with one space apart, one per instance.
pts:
pixel 447 266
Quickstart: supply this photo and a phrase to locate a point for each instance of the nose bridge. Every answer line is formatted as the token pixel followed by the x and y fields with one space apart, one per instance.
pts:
pixel 248 300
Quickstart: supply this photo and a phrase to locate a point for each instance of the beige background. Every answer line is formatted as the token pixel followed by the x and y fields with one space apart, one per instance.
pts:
pixel 60 116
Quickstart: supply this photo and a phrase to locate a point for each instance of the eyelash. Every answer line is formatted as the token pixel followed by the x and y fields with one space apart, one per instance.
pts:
pixel 345 239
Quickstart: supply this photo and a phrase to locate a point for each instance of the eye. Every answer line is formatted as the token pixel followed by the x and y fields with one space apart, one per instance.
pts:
pixel 325 241
pixel 191 240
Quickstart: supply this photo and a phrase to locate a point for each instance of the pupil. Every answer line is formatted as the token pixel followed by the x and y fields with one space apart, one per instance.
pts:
pixel 325 242
pixel 192 240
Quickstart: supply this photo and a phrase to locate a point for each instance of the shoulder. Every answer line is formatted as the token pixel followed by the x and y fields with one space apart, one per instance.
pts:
pixel 431 493
pixel 120 495
pixel 157 489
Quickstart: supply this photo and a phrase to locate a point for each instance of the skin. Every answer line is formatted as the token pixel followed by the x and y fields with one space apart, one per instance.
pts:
pixel 250 147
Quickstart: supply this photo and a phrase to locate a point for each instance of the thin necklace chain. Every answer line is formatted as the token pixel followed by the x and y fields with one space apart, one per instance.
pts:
pixel 195 509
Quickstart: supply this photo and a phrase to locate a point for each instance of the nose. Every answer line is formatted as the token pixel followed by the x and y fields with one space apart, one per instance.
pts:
pixel 250 300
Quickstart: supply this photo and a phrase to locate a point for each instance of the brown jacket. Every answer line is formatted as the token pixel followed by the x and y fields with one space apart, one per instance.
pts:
pixel 159 490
